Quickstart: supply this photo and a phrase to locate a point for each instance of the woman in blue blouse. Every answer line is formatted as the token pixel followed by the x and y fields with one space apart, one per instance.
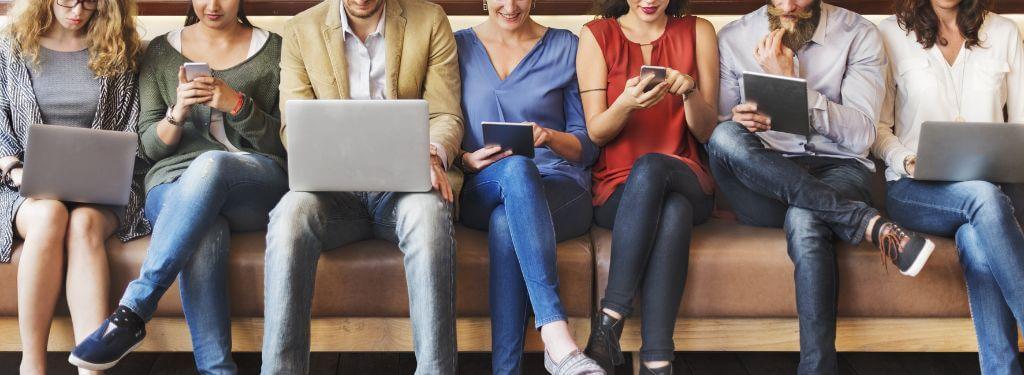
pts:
pixel 515 70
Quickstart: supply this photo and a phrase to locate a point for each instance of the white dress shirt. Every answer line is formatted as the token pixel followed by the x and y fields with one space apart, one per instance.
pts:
pixel 922 86
pixel 844 65
pixel 366 61
pixel 259 38
pixel 367 66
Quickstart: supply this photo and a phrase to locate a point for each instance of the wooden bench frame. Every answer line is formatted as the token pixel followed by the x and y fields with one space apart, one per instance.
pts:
pixel 395 335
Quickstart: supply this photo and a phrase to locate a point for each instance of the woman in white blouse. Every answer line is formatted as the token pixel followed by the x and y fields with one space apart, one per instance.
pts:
pixel 953 60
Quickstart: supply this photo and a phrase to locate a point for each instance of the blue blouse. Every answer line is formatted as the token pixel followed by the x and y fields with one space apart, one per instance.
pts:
pixel 541 89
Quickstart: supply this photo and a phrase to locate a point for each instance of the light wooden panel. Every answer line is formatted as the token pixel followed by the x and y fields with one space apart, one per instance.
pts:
pixel 395 334
pixel 328 335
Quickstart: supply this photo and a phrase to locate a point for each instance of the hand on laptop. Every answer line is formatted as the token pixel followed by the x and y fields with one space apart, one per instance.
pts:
pixel 774 57
pixel 910 164
pixel 16 177
pixel 476 161
pixel 747 115
pixel 439 177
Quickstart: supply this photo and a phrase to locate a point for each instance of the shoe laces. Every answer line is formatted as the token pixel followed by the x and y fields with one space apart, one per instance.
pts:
pixel 891 243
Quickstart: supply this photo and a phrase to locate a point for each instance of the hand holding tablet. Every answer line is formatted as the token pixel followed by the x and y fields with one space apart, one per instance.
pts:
pixel 776 101
pixel 517 137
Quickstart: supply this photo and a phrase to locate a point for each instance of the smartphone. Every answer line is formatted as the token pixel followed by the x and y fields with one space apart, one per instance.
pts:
pixel 195 70
pixel 659 73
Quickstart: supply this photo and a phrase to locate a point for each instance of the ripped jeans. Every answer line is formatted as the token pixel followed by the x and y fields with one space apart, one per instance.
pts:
pixel 193 218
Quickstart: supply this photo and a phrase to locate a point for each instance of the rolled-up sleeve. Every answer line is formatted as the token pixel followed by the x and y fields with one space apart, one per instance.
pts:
pixel 852 123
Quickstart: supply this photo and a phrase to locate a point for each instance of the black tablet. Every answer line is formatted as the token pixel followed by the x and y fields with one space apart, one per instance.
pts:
pixel 515 136
pixel 783 99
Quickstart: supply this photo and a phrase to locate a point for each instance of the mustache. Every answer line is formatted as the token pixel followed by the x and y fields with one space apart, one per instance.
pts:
pixel 802 14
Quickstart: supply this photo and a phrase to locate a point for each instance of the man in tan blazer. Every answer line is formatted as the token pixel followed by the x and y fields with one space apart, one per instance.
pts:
pixel 369 50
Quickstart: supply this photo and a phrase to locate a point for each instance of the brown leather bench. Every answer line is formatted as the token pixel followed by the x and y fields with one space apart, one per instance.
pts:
pixel 360 301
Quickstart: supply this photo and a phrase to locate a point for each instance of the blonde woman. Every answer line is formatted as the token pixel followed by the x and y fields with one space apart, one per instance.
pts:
pixel 72 63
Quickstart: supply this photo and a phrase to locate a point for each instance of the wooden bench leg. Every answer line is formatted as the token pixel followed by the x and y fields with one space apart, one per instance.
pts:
pixel 636 362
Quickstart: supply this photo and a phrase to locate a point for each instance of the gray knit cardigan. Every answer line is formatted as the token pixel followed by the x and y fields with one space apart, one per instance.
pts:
pixel 118 109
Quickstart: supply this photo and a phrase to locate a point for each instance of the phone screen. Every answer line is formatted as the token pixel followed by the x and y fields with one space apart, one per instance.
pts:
pixel 196 70
pixel 658 72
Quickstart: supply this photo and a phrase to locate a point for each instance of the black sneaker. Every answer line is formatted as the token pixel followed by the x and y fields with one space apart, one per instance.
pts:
pixel 909 251
pixel 121 333
pixel 603 345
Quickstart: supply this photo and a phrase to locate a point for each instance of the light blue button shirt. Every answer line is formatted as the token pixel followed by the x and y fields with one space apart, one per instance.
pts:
pixel 844 65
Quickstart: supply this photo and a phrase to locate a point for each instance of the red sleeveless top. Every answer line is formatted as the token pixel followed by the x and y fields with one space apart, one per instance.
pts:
pixel 658 129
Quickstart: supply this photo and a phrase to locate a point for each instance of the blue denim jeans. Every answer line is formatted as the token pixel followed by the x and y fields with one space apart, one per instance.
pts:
pixel 525 215
pixel 988 234
pixel 193 218
pixel 305 224
pixel 814 199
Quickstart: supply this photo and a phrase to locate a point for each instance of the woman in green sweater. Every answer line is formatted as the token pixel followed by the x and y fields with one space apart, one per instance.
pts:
pixel 218 166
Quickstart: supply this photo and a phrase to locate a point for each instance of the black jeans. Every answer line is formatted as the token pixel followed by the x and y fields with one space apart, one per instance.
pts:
pixel 662 201
pixel 813 198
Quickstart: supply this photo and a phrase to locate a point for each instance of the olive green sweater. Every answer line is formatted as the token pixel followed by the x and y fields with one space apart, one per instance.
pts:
pixel 255 129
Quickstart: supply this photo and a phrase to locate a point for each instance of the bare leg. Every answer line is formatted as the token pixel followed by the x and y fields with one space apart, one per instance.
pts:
pixel 88 283
pixel 42 223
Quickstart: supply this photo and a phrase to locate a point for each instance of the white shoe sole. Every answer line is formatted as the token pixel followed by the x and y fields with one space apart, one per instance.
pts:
pixel 99 366
pixel 922 258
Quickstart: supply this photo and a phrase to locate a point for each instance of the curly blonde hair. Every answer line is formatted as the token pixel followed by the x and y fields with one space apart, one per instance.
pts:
pixel 114 44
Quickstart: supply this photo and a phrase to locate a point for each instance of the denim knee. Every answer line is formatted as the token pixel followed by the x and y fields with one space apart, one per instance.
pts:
pixel 988 202
pixel 652 167
pixel 726 139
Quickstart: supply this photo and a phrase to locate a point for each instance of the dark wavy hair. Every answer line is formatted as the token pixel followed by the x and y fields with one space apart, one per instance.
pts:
pixel 919 16
pixel 618 8
pixel 191 18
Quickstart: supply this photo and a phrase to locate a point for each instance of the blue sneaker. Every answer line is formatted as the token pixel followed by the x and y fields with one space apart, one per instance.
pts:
pixel 121 333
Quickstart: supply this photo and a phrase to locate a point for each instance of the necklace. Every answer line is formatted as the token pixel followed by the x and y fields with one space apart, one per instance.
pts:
pixel 958 93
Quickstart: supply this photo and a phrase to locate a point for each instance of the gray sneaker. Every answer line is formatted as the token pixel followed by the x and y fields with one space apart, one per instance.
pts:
pixel 576 363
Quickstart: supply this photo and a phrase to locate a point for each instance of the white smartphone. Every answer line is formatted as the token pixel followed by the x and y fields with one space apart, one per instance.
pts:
pixel 658 72
pixel 195 70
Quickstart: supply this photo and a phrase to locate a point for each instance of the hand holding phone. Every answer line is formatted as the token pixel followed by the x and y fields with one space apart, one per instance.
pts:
pixel 658 72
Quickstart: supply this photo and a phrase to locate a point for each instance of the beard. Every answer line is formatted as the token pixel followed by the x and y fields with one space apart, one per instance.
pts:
pixel 797 33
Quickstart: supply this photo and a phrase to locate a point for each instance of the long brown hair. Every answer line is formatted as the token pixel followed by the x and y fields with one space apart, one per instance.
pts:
pixel 919 16
pixel 618 8
pixel 114 44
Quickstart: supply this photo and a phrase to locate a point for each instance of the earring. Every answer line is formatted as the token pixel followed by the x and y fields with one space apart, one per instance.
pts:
pixel 485 6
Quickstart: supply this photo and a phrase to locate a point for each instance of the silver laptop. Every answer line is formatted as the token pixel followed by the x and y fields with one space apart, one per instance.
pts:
pixel 79 165
pixel 958 151
pixel 358 145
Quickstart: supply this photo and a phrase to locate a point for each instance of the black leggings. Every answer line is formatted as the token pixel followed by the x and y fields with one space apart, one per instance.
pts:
pixel 662 201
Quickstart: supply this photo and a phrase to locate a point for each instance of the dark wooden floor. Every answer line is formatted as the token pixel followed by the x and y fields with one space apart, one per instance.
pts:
pixel 479 363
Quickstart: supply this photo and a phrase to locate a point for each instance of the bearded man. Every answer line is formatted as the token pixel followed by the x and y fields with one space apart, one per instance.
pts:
pixel 815 186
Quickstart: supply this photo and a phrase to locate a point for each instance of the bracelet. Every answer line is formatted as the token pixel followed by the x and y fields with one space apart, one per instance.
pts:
pixel 170 120
pixel 238 104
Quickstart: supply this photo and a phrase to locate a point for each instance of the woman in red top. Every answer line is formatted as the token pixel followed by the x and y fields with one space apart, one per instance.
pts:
pixel 650 160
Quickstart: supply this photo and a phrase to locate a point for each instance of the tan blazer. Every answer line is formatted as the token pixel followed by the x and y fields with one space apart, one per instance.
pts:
pixel 422 63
